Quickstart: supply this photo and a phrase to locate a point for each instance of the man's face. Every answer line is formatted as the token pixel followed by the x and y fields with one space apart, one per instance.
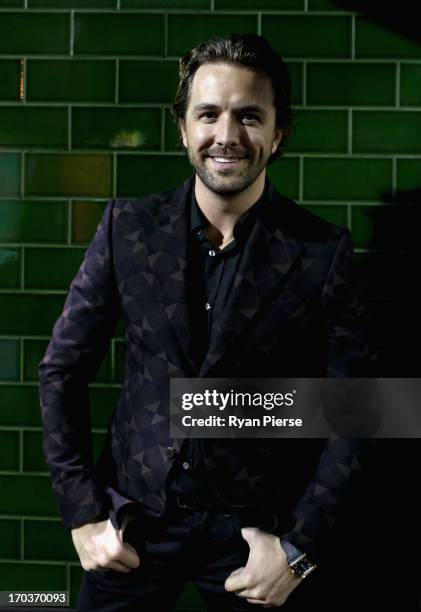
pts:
pixel 229 129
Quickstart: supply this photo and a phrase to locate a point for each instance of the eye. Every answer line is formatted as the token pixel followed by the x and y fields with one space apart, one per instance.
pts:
pixel 208 115
pixel 248 118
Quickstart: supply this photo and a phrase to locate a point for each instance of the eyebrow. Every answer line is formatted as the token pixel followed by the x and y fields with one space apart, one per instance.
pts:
pixel 249 108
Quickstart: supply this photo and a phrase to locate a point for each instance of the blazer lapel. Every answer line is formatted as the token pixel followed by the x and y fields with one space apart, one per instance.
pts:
pixel 264 267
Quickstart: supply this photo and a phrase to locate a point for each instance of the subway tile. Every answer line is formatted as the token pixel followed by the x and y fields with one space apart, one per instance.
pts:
pixel 119 352
pixel 141 175
pixel 386 132
pixel 32 576
pixel 72 80
pixel 330 213
pixel 33 352
pixel 355 83
pixel 27 495
pixel 51 268
pixel 30 314
pixel 9 175
pixel 33 453
pixel 73 174
pixel 285 5
pixel 319 131
pixel 9 359
pixel 308 35
pixel 116 128
pixel 372 40
pixel 10 80
pixel 295 70
pixel 85 219
pixel 148 80
pixel 9 450
pixel 9 268
pixel 119 34
pixel 187 31
pixel 20 406
pixel 346 179
pixel 103 404
pixel 32 221
pixel 28 126
pixel 66 4
pixel 98 440
pixel 408 174
pixel 410 93
pixel 374 227
pixel 34 33
pixel 172 140
pixel 322 5
pixel 47 540
pixel 166 4
pixel 10 538
pixel 12 3
pixel 283 173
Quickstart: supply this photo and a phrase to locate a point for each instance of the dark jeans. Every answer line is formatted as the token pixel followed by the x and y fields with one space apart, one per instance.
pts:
pixel 199 546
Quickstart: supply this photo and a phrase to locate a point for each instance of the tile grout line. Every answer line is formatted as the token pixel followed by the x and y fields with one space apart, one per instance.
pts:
pixel 301 178
pixel 353 26
pixel 350 126
pixel 72 31
pixel 394 174
pixel 259 23
pixel 117 80
pixel 69 222
pixel 162 130
pixel 21 359
pixel 398 84
pixel 22 267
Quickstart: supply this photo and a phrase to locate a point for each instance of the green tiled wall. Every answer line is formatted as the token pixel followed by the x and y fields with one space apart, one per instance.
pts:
pixel 85 91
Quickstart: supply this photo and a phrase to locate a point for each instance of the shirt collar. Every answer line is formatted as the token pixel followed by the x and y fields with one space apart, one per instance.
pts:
pixel 199 222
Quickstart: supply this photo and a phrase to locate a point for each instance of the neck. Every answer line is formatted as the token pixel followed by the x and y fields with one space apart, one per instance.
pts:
pixel 223 211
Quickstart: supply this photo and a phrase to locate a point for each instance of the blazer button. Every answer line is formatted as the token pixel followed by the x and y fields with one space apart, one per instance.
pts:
pixel 171 452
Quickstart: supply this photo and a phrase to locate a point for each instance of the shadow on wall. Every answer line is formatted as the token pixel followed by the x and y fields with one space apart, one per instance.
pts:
pixel 391 508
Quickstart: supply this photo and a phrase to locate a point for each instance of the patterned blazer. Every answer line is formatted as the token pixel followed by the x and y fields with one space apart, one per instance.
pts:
pixel 296 311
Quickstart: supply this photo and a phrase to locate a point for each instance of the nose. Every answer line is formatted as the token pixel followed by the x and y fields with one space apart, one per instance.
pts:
pixel 227 131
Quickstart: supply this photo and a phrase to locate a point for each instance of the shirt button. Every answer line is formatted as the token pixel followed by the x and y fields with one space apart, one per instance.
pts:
pixel 186 465
pixel 207 306
pixel 212 253
pixel 199 232
pixel 171 451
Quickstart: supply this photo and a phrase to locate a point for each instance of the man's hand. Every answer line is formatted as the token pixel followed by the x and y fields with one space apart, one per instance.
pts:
pixel 267 578
pixel 101 547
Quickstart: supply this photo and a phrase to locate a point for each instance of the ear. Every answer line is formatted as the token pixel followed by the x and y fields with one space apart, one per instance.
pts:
pixel 182 126
pixel 277 139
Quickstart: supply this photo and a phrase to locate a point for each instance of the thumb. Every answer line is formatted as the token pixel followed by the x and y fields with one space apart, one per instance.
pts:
pixel 234 580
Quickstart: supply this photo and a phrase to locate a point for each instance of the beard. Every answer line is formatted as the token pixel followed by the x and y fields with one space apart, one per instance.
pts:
pixel 228 181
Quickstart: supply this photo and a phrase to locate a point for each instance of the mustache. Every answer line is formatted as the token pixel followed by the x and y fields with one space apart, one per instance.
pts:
pixel 225 153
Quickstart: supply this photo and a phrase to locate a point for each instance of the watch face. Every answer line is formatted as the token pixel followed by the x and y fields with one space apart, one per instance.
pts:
pixel 302 566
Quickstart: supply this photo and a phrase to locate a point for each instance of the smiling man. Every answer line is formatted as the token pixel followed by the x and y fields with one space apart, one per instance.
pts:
pixel 220 277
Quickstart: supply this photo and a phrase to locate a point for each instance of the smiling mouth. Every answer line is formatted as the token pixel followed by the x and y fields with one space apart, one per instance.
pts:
pixel 226 161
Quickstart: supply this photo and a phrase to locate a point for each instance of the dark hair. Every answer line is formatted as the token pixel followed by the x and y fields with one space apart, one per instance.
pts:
pixel 251 51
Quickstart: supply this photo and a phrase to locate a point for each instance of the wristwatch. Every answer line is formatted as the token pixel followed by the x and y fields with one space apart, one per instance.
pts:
pixel 302 566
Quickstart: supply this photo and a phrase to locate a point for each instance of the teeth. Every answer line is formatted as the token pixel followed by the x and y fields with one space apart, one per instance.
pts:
pixel 226 160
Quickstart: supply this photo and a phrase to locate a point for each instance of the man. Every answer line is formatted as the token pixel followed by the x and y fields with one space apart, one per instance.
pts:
pixel 220 277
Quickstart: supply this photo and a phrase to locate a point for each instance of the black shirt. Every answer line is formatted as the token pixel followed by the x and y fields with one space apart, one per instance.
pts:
pixel 212 276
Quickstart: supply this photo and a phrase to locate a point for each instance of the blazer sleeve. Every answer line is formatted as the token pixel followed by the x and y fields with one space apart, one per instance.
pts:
pixel 350 355
pixel 79 342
